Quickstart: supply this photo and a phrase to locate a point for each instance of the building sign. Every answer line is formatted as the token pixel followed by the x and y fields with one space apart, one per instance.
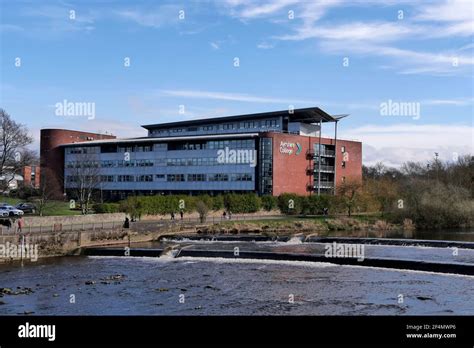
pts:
pixel 288 148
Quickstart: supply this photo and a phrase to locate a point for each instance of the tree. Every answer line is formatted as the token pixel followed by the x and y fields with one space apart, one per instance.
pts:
pixel 384 191
pixel 202 210
pixel 348 191
pixel 84 179
pixel 14 155
pixel 47 192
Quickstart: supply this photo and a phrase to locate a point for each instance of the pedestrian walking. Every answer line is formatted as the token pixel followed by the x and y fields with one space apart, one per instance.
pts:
pixel 20 223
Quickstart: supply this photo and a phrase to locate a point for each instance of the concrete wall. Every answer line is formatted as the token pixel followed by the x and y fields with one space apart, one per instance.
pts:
pixel 75 219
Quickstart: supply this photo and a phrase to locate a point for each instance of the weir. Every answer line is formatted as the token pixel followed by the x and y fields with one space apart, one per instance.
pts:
pixel 415 265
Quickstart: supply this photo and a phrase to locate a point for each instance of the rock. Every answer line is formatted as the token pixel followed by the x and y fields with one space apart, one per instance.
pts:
pixel 423 298
pixel 90 282
pixel 55 295
pixel 114 277
pixel 27 312
pixel 2 303
pixel 162 289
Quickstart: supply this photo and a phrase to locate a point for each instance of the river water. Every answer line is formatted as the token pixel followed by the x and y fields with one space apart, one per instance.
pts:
pixel 98 285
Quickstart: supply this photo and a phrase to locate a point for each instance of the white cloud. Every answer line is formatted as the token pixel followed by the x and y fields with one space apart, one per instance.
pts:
pixel 368 32
pixel 409 62
pixel 154 18
pixel 265 46
pixel 240 97
pixel 214 45
pixel 431 21
pixel 399 143
pixel 451 10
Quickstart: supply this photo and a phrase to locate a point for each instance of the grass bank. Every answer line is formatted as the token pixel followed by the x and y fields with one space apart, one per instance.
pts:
pixel 322 225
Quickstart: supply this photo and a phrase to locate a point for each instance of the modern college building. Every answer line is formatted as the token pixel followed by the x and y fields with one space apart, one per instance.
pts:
pixel 267 153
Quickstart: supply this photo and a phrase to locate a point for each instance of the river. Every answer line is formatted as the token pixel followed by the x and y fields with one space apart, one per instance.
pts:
pixel 102 285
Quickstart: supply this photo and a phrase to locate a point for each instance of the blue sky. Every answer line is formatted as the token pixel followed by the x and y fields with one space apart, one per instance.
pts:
pixel 290 53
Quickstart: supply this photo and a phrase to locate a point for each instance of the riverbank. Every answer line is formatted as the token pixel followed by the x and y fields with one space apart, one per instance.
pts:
pixel 320 225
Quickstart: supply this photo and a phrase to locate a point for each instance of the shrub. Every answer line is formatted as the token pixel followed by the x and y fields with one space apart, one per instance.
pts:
pixel 269 202
pixel 242 203
pixel 314 205
pixel 103 208
pixel 202 210
pixel 217 202
pixel 290 203
pixel 432 204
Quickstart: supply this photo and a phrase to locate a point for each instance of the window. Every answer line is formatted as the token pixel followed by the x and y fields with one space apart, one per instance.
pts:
pixel 175 177
pixel 343 164
pixel 196 177
pixel 160 176
pixel 125 178
pixel 107 178
pixel 218 177
pixel 144 178
pixel 343 179
pixel 343 149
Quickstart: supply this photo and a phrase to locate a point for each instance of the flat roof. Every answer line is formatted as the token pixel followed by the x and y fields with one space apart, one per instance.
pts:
pixel 152 139
pixel 306 115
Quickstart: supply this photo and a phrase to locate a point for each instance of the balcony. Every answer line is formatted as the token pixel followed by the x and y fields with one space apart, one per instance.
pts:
pixel 325 153
pixel 324 184
pixel 323 168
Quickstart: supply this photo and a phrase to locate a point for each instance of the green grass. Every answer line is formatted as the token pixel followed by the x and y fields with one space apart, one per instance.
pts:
pixel 55 208
pixel 10 201
pixel 59 209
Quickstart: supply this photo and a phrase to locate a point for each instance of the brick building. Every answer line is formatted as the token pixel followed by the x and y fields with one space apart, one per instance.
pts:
pixel 267 153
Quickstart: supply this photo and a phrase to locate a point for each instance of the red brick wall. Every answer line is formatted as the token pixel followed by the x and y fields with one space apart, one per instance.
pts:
pixel 27 178
pixel 289 171
pixel 52 155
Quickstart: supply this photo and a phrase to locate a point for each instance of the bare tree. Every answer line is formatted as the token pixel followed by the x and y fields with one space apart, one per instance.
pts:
pixel 47 192
pixel 202 210
pixel 14 155
pixel 84 179
pixel 349 193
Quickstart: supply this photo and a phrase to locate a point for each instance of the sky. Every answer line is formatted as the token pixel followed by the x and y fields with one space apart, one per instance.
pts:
pixel 143 62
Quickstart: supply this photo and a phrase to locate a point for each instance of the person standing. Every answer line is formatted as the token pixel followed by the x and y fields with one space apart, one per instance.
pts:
pixel 126 223
pixel 21 223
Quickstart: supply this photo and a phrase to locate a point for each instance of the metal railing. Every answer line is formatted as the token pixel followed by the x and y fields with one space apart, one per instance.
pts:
pixel 330 153
pixel 324 168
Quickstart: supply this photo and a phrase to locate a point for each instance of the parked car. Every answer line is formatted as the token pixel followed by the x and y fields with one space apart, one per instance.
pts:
pixel 4 213
pixel 12 211
pixel 27 208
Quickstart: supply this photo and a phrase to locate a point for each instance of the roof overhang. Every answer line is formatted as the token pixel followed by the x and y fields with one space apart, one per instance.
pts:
pixel 306 115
